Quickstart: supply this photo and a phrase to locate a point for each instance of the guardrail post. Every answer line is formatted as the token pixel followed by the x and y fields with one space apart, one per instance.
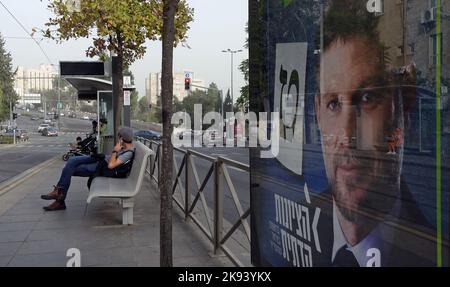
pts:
pixel 160 164
pixel 149 161
pixel 218 206
pixel 186 187
pixel 150 146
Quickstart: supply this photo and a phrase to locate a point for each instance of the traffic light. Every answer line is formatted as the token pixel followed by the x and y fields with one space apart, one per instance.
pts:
pixel 14 116
pixel 187 84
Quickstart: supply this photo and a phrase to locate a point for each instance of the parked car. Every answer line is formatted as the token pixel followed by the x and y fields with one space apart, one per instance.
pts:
pixel 34 118
pixel 86 118
pixel 42 127
pixel 150 135
pixel 50 132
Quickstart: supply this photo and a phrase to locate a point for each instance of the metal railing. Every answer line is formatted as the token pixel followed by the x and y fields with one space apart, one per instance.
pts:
pixel 216 229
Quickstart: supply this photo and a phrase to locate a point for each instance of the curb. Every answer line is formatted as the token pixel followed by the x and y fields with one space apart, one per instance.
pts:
pixel 11 183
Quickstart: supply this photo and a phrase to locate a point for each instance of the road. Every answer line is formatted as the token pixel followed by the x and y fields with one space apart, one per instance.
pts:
pixel 240 179
pixel 23 156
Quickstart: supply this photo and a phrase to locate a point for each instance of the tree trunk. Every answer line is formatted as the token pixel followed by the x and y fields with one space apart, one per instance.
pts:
pixel 117 70
pixel 165 180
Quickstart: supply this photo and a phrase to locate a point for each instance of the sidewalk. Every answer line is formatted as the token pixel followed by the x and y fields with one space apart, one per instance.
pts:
pixel 31 237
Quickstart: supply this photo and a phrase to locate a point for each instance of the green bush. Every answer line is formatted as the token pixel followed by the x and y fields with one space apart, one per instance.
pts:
pixel 6 139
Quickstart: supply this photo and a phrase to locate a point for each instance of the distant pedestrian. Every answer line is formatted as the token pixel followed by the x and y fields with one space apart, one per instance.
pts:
pixel 395 141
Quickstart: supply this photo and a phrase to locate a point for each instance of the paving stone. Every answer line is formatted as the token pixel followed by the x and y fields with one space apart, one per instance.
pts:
pixel 57 259
pixel 31 237
pixel 9 248
pixel 13 236
pixel 4 260
pixel 16 226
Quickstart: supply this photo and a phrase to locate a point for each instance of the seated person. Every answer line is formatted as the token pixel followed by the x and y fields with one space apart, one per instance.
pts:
pixel 77 145
pixel 87 166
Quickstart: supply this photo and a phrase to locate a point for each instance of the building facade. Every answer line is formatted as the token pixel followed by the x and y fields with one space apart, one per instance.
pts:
pixel 29 80
pixel 153 86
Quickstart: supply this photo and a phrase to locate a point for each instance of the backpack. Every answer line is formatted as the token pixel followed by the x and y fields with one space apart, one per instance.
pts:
pixel 121 171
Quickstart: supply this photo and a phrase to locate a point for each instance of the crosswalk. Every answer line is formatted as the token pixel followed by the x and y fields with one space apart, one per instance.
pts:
pixel 42 145
pixel 61 133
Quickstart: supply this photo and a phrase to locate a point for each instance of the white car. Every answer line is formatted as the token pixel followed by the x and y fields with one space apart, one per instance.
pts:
pixel 85 118
pixel 42 127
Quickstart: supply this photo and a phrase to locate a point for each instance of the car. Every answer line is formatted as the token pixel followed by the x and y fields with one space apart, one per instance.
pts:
pixel 50 132
pixel 62 114
pixel 146 134
pixel 86 118
pixel 42 127
pixel 72 115
pixel 34 118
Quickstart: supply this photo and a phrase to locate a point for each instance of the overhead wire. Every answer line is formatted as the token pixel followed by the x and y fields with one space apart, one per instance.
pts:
pixel 26 31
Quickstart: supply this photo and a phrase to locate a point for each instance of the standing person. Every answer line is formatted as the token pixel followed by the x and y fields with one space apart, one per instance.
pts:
pixel 395 141
pixel 87 166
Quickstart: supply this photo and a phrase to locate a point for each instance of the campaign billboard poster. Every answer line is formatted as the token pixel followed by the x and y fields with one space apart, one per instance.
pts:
pixel 362 176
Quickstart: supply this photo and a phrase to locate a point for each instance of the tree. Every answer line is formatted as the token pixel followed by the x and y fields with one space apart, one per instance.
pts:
pixel 209 100
pixel 147 113
pixel 117 26
pixel 68 94
pixel 242 102
pixel 169 32
pixel 2 112
pixel 214 95
pixel 227 104
pixel 134 103
pixel 7 93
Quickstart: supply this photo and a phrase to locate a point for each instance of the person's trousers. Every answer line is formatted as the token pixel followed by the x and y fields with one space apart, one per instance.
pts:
pixel 83 166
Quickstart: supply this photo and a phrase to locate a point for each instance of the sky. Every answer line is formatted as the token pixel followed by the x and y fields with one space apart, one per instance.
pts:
pixel 218 25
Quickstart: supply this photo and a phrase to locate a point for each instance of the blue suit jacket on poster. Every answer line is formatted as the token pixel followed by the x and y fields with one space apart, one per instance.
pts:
pixel 413 242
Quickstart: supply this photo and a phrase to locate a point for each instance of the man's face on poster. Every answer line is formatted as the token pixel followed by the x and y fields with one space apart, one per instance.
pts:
pixel 356 113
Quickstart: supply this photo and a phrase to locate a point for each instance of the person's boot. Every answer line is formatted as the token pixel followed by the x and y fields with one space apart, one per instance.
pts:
pixel 54 195
pixel 56 205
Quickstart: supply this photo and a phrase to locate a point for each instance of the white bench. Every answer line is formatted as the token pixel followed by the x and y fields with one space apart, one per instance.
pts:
pixel 123 188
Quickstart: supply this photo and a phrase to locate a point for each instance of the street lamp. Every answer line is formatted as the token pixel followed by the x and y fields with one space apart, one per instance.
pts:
pixel 232 52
